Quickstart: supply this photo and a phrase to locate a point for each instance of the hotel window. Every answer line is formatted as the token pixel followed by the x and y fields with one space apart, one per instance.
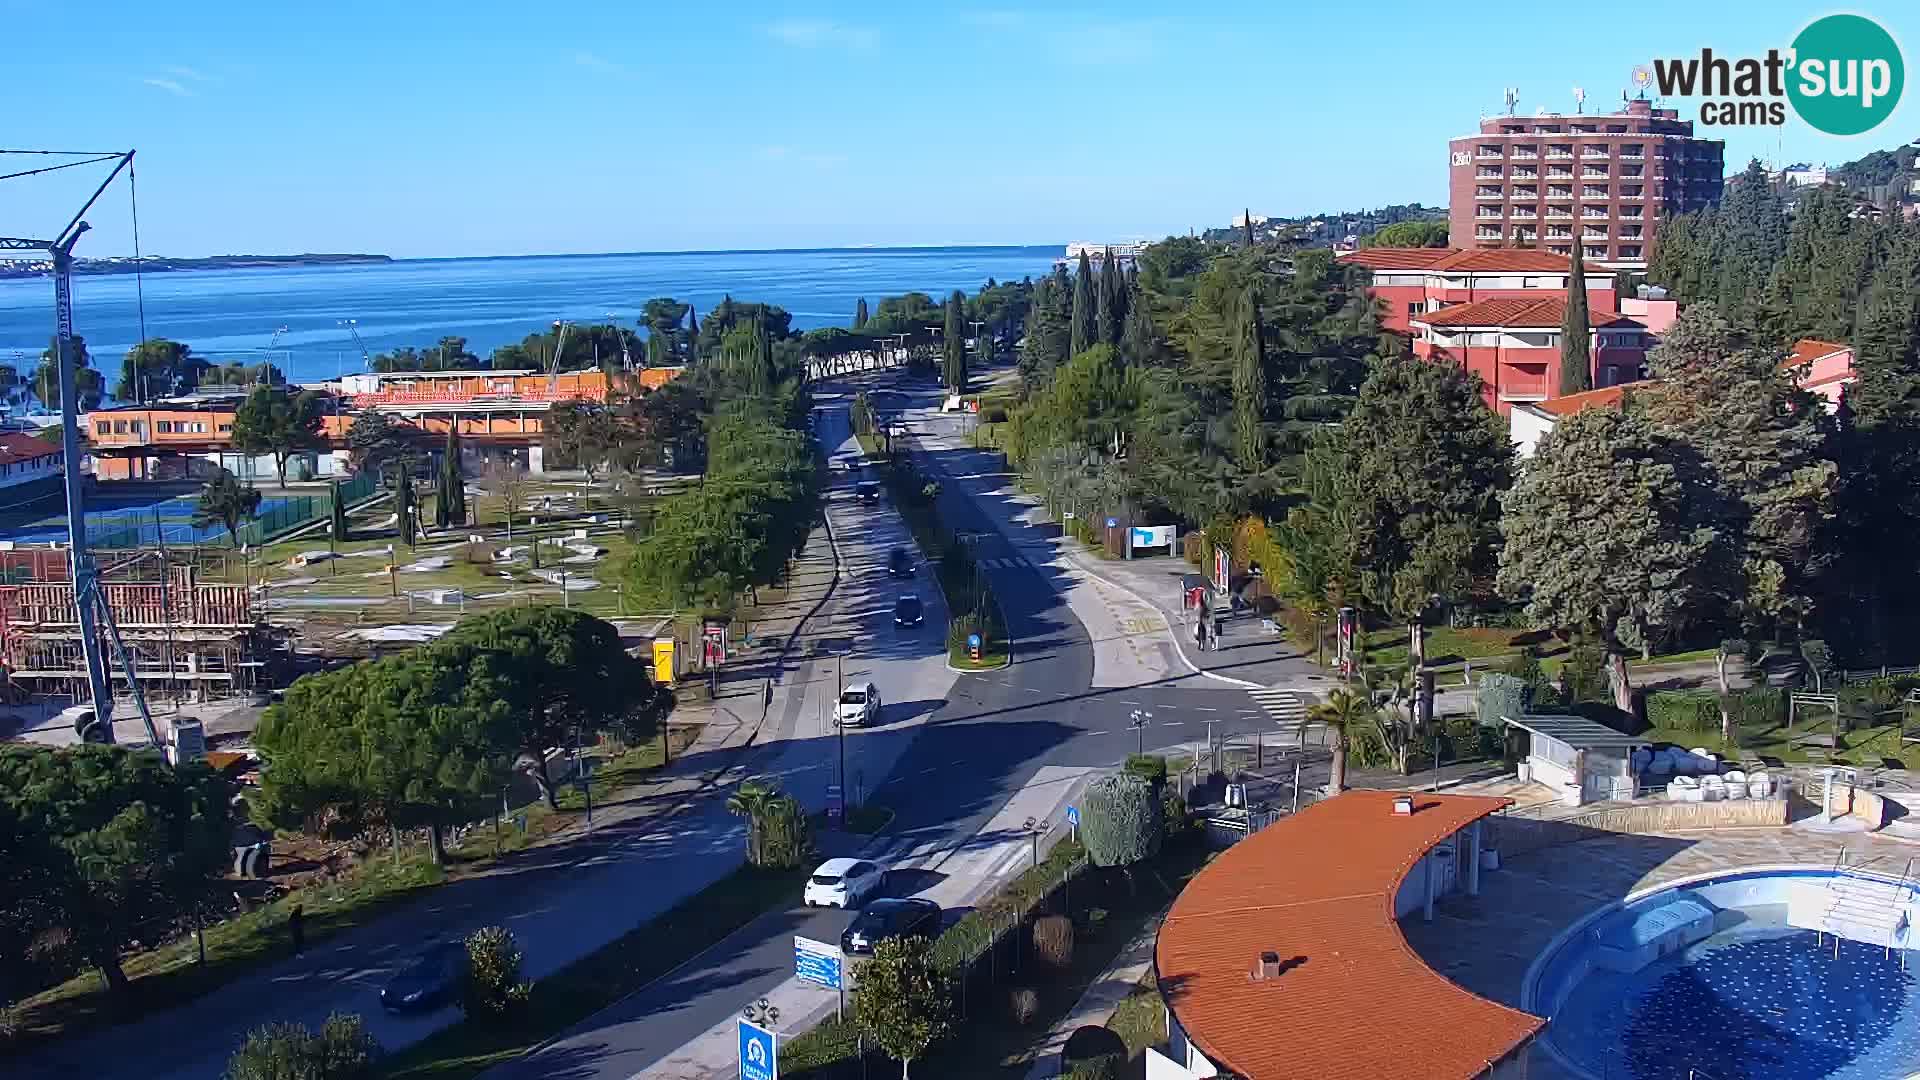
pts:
pixel 224 428
pixel 163 427
pixel 119 427
pixel 1483 338
pixel 101 427
pixel 1412 310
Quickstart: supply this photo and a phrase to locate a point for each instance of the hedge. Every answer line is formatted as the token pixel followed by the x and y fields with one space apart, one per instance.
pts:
pixel 1683 710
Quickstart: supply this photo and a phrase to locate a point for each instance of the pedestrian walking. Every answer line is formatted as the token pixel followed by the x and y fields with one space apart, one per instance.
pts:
pixel 1200 633
pixel 1216 633
pixel 297 928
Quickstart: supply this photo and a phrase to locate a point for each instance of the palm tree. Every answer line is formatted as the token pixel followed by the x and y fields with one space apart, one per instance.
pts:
pixel 752 800
pixel 1343 711
pixel 223 499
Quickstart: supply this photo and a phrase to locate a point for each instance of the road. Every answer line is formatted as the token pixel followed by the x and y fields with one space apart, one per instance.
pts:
pixel 988 751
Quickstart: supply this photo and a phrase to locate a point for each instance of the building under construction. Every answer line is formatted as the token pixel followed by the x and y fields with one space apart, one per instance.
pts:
pixel 187 639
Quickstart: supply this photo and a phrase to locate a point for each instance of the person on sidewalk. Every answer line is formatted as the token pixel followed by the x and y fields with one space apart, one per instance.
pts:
pixel 1216 633
pixel 1200 633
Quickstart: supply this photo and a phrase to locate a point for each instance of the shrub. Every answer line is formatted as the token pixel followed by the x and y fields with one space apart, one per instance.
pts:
pixel 1120 820
pixel 341 1050
pixel 1173 813
pixel 493 987
pixel 1681 710
pixel 1585 674
pixel 1053 940
pixel 1093 1051
pixel 994 415
pixel 1149 767
pixel 1023 1004
pixel 1758 707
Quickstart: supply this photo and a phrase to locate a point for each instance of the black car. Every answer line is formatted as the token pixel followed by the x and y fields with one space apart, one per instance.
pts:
pixel 883 919
pixel 907 611
pixel 429 981
pixel 899 563
pixel 867 492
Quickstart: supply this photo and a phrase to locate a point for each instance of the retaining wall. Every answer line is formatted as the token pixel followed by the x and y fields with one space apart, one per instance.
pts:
pixel 1518 835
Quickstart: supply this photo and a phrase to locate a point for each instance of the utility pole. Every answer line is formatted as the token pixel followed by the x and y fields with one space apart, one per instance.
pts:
pixel 1141 718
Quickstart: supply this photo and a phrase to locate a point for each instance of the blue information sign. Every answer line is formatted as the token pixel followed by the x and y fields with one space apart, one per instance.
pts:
pixel 1073 815
pixel 1113 523
pixel 816 962
pixel 973 641
pixel 758 1059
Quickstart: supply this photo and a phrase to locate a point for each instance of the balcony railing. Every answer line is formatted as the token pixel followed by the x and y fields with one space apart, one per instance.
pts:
pixel 1526 174
pixel 1632 155
pixel 1487 174
pixel 1485 154
pixel 1483 195
pixel 1488 212
pixel 1525 155
pixel 1632 198
pixel 1522 215
pixel 1558 214
pixel 1593 193
pixel 1594 152
pixel 1559 155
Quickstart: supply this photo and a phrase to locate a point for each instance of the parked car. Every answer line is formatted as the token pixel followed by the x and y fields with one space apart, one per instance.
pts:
pixel 842 883
pixel 429 981
pixel 906 611
pixel 885 919
pixel 859 704
pixel 867 492
pixel 899 563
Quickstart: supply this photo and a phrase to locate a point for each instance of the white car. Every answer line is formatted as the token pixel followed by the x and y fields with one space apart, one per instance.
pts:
pixel 859 705
pixel 843 883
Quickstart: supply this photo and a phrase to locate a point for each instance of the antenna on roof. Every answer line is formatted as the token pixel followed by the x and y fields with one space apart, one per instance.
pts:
pixel 1579 100
pixel 1513 98
pixel 1642 78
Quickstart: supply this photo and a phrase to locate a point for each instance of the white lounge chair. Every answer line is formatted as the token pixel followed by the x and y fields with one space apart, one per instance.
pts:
pixel 1736 782
pixel 1760 785
pixel 1684 789
pixel 1712 789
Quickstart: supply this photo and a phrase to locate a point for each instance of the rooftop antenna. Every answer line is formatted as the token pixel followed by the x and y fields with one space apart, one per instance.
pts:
pixel 89 604
pixel 1579 100
pixel 1642 79
pixel 1513 98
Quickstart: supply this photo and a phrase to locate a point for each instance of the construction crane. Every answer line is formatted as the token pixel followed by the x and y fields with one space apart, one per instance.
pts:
pixel 353 327
pixel 89 603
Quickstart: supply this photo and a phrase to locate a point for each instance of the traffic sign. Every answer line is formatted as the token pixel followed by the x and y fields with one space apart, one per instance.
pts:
pixel 817 962
pixel 759 1058
pixel 1113 523
pixel 835 803
pixel 1073 815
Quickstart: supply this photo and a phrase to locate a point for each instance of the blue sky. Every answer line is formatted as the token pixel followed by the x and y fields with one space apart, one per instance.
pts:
pixel 421 128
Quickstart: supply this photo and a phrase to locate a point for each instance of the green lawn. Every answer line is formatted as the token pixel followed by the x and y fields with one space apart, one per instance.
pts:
pixel 1876 746
pixel 1140 1020
pixel 601 978
pixel 993 655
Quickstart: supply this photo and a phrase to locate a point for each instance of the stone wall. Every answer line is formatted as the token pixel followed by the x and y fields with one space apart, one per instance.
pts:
pixel 1517 835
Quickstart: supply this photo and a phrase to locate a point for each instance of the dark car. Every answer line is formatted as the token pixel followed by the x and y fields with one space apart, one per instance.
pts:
pixel 867 492
pixel 429 981
pixel 907 611
pixel 883 919
pixel 899 563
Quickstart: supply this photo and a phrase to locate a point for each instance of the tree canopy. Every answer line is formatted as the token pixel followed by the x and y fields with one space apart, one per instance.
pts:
pixel 271 421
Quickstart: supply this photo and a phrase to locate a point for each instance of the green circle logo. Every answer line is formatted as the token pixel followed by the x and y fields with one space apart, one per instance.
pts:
pixel 1847 74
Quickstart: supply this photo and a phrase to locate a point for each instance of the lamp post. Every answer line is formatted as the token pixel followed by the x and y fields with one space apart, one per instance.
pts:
pixel 1140 719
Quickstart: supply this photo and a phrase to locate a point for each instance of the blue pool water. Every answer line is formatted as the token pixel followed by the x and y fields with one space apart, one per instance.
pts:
pixel 1755 1000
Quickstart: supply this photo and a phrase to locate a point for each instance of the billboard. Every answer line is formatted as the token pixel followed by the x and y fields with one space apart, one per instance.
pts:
pixel 1151 536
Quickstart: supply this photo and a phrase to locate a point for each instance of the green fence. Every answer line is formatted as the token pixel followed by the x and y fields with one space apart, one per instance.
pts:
pixel 171 522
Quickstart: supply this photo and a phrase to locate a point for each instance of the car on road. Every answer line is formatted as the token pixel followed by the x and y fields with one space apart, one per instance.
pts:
pixel 867 492
pixel 859 704
pixel 843 883
pixel 899 563
pixel 914 916
pixel 907 611
pixel 429 980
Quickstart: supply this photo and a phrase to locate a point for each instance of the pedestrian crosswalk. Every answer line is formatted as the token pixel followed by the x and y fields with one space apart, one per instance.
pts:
pixel 1285 707
pixel 1003 563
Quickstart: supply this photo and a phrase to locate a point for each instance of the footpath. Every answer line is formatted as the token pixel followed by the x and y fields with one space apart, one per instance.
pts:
pixel 647 849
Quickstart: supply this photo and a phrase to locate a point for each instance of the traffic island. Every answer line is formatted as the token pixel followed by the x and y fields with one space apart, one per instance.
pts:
pixel 992 657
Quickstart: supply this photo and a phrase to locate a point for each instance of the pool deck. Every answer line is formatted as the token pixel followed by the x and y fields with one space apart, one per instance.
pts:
pixel 1487 943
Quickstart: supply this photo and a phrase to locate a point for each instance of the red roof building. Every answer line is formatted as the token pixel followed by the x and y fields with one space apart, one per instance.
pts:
pixel 1284 959
pixel 1513 344
pixel 1414 281
pixel 1528 423
pixel 1822 367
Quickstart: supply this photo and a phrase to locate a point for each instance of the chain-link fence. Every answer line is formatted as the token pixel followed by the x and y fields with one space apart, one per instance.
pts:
pixel 171 522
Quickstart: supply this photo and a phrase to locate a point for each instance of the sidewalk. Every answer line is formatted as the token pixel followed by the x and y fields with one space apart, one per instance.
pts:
pixel 580 889
pixel 1096 1006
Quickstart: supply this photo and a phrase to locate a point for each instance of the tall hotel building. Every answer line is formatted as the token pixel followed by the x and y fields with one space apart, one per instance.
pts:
pixel 1603 181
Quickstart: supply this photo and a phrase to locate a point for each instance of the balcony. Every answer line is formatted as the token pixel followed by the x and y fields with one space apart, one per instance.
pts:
pixel 1631 213
pixel 1594 234
pixel 1592 173
pixel 1632 153
pixel 1594 213
pixel 1486 233
pixel 1630 232
pixel 1525 155
pixel 1592 152
pixel 1488 212
pixel 1556 213
pixel 1596 251
pixel 1526 173
pixel 1484 194
pixel 1487 174
pixel 1558 232
pixel 1488 153
pixel 1593 193
pixel 1559 172
pixel 1526 192
pixel 1632 197
pixel 1560 153
pixel 1520 214
pixel 1560 191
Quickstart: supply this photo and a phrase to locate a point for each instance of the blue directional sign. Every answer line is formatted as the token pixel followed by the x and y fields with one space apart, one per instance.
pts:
pixel 973 641
pixel 1073 815
pixel 817 962
pixel 1113 523
pixel 759 1059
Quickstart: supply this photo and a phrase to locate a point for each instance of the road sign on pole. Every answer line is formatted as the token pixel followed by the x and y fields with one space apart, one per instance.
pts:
pixel 759 1057
pixel 1073 820
pixel 817 962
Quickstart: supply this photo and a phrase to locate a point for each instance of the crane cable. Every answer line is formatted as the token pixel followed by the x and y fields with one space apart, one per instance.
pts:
pixel 139 287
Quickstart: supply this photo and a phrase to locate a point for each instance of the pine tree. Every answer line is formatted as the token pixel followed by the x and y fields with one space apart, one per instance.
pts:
pixel 1048 330
pixel 1576 349
pixel 1246 220
pixel 1138 337
pixel 1086 326
pixel 1250 388
pixel 860 314
pixel 453 485
pixel 693 336
pixel 954 344
pixel 403 504
pixel 1112 313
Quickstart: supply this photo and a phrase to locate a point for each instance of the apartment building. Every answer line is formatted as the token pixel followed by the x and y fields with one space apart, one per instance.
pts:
pixel 1602 181
pixel 1513 345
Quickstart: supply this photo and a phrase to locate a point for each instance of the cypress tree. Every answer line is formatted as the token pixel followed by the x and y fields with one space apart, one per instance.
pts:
pixel 1246 220
pixel 1136 338
pixel 453 486
pixel 1106 315
pixel 1576 353
pixel 339 526
pixel 954 344
pixel 763 373
pixel 693 336
pixel 860 314
pixel 403 516
pixel 1086 329
pixel 1249 388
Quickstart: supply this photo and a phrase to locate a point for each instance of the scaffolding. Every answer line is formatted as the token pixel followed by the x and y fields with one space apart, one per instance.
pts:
pixel 186 639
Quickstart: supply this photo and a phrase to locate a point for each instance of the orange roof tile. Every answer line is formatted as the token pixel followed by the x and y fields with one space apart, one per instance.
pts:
pixel 654 378
pixel 1353 1000
pixel 15 446
pixel 1488 260
pixel 1807 350
pixel 1606 397
pixel 1543 313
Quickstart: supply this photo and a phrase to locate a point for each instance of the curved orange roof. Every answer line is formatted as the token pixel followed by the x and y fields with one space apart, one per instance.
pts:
pixel 1353 999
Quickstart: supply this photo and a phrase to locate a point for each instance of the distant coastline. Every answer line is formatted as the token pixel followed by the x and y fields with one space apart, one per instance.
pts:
pixel 162 264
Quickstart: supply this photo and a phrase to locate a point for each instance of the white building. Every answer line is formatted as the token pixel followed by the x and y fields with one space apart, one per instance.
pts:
pixel 29 469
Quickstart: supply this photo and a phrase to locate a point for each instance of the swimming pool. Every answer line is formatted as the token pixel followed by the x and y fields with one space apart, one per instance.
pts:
pixel 1721 978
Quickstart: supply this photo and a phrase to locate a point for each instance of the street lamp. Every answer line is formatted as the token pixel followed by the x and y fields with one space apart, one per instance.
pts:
pixel 1141 718
pixel 1035 831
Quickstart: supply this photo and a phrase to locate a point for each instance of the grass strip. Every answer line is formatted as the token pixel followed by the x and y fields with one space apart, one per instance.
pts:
pixel 602 977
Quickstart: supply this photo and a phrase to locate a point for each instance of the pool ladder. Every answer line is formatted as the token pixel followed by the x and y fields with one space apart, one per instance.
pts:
pixel 1899 888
